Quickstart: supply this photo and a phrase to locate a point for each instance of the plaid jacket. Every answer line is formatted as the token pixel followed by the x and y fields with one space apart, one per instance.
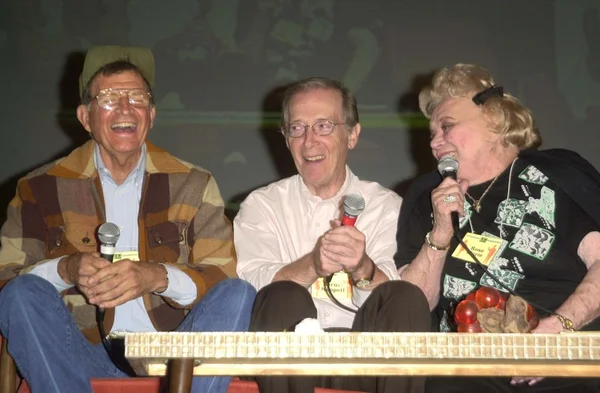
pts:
pixel 59 206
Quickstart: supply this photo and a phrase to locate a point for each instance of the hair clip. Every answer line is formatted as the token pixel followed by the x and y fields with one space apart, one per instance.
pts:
pixel 492 91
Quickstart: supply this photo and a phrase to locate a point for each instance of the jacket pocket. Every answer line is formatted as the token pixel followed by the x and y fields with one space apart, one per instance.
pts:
pixel 167 242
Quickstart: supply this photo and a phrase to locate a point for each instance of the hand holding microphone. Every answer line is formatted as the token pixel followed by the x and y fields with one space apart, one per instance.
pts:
pixel 344 245
pixel 76 269
pixel 448 167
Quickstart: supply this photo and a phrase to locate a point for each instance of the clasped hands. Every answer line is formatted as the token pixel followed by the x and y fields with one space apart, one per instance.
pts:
pixel 107 284
pixel 342 248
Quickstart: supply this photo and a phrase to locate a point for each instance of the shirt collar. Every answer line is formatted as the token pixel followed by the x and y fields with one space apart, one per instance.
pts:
pixel 338 195
pixel 137 173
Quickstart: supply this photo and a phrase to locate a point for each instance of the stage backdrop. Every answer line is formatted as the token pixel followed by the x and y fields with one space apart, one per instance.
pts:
pixel 219 63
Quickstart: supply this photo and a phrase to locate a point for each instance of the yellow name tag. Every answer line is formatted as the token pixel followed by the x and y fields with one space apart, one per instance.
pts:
pixel 131 255
pixel 485 248
pixel 340 286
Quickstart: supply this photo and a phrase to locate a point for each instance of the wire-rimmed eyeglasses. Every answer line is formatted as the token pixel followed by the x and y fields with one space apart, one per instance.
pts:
pixel 109 99
pixel 321 128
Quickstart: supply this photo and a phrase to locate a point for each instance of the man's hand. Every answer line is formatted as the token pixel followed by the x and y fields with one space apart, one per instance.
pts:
pixel 76 269
pixel 345 245
pixel 323 265
pixel 547 325
pixel 125 280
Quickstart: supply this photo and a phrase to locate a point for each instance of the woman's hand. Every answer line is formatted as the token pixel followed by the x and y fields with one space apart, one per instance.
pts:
pixel 547 325
pixel 448 197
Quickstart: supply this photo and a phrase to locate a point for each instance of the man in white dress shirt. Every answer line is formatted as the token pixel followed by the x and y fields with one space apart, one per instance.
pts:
pixel 290 242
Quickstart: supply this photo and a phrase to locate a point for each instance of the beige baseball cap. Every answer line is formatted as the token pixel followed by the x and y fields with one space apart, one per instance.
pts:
pixel 99 56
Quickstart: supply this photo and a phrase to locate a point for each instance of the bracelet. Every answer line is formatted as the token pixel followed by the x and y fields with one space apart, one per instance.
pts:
pixel 566 323
pixel 435 246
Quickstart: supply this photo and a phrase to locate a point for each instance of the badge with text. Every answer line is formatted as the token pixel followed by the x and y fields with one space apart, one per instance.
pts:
pixel 485 248
pixel 340 286
pixel 131 255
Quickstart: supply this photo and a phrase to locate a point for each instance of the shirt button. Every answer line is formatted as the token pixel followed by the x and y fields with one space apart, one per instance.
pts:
pixel 318 224
pixel 57 242
pixel 158 240
pixel 85 240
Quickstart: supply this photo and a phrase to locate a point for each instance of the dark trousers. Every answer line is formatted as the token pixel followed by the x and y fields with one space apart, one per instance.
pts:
pixel 395 306
pixel 502 385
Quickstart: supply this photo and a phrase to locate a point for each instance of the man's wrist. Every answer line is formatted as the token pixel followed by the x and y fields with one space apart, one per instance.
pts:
pixel 63 270
pixel 164 279
pixel 366 272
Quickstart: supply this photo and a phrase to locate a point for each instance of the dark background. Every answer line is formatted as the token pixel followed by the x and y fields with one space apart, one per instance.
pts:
pixel 219 63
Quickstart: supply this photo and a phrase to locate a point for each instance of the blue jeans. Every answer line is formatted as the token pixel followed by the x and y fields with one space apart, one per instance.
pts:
pixel 54 356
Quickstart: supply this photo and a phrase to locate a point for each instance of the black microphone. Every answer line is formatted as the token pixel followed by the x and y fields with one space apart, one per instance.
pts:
pixel 448 167
pixel 108 234
pixel 354 204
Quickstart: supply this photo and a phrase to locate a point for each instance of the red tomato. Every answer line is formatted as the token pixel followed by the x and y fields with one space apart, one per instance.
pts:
pixel 487 297
pixel 466 312
pixel 471 296
pixel 501 303
pixel 530 311
pixel 472 328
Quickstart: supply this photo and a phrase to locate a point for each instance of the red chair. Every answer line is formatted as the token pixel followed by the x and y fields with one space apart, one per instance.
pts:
pixel 125 385
pixel 151 385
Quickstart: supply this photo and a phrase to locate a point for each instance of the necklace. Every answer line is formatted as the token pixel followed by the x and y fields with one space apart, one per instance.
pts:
pixel 477 202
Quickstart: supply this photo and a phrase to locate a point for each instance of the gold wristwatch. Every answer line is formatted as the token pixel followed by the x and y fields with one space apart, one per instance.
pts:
pixel 364 282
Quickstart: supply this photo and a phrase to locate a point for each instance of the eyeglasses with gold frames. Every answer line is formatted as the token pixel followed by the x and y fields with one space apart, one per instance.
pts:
pixel 109 99
pixel 321 128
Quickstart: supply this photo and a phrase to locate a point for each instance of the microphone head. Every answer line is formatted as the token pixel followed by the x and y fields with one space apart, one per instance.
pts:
pixel 447 164
pixel 353 204
pixel 108 233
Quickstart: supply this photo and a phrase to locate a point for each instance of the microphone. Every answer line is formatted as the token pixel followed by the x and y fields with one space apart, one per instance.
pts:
pixel 448 167
pixel 354 204
pixel 108 234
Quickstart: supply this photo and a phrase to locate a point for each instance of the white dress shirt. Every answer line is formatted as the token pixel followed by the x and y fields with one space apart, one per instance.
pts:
pixel 280 223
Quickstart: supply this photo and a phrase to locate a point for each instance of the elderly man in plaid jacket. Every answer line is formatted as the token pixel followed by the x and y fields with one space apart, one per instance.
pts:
pixel 174 259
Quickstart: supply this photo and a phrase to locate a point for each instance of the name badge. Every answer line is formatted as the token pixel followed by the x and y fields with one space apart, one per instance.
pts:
pixel 131 255
pixel 485 248
pixel 340 286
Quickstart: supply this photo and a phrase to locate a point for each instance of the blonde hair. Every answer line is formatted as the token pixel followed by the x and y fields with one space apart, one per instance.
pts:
pixel 507 116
